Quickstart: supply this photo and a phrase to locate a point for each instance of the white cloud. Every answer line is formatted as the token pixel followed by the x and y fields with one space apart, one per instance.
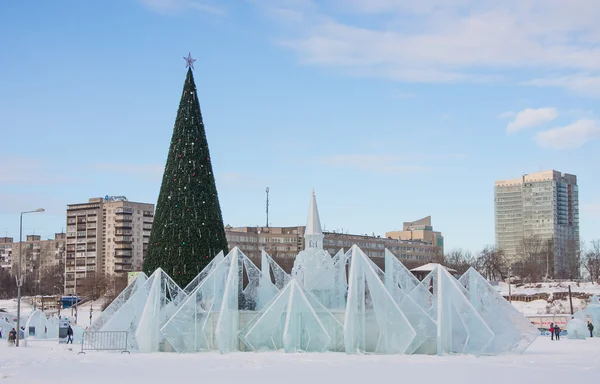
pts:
pixel 531 117
pixel 444 40
pixel 174 6
pixel 571 136
pixel 580 83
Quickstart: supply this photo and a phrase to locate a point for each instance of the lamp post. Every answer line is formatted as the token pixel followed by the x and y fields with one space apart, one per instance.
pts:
pixel 20 277
pixel 59 299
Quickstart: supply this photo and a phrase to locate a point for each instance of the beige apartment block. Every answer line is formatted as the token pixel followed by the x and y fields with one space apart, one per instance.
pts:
pixel 106 236
pixel 543 204
pixel 421 231
pixel 38 255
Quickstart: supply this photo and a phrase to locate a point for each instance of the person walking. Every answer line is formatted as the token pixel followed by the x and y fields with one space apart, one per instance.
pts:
pixel 0 331
pixel 591 328
pixel 551 330
pixel 557 332
pixel 70 334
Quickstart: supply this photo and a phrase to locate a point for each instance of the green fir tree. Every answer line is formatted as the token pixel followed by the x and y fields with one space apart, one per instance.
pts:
pixel 188 226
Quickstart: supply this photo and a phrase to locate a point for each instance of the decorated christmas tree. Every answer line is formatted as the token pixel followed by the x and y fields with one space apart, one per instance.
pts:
pixel 188 226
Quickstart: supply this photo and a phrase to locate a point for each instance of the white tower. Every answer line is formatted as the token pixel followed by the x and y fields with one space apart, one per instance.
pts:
pixel 313 262
pixel 313 235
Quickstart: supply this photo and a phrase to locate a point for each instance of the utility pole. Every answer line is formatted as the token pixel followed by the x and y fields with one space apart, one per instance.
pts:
pixel 509 292
pixel 267 190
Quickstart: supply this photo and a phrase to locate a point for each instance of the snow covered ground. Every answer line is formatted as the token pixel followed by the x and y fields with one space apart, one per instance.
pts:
pixel 544 362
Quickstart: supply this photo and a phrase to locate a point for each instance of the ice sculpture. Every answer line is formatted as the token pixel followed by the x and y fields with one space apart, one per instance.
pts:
pixel 147 307
pixel 209 319
pixel 294 321
pixel 512 331
pixel 577 326
pixel 345 303
pixel 313 262
pixel 333 298
pixel 36 325
pixel 163 298
pixel 460 329
pixel 373 321
pixel 118 302
pixel 591 314
pixel 202 274
pixel 269 267
pixel 399 281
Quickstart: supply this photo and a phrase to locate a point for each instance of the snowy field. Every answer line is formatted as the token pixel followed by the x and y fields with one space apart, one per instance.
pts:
pixel 544 362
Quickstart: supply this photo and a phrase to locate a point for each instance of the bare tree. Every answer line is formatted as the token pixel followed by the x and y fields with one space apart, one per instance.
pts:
pixel 460 260
pixel 591 261
pixel 491 263
pixel 535 258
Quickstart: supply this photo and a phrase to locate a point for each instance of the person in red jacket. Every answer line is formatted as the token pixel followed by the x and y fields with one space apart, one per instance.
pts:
pixel 551 330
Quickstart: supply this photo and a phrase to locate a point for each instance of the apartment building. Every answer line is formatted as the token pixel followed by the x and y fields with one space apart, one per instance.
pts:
pixel 105 236
pixel 543 204
pixel 420 231
pixel 6 244
pixel 284 243
pixel 38 255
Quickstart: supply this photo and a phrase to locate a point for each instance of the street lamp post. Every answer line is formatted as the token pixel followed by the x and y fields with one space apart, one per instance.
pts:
pixel 59 299
pixel 20 277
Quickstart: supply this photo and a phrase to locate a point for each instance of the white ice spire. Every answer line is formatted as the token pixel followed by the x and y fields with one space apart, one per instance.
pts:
pixel 313 236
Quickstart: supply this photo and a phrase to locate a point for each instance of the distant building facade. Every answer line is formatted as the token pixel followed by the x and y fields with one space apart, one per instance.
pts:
pixel 38 255
pixel 284 243
pixel 544 205
pixel 6 244
pixel 420 231
pixel 105 236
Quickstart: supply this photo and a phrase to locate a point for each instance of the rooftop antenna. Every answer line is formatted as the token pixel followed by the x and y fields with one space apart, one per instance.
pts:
pixel 267 191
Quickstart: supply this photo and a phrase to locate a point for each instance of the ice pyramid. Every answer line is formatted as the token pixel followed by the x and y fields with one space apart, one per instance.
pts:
pixel 512 331
pixel 163 298
pixel 294 321
pixel 118 302
pixel 210 317
pixel 147 307
pixel 269 268
pixel 460 328
pixel 373 321
pixel 399 282
pixel 202 275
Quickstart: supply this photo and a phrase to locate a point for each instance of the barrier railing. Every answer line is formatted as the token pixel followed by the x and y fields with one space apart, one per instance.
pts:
pixel 104 341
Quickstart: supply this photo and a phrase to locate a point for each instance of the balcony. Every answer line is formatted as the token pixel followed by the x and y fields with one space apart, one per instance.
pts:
pixel 123 253
pixel 124 219
pixel 123 239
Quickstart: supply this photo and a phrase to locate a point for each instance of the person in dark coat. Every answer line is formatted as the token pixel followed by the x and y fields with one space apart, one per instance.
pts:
pixel 551 330
pixel 12 336
pixel 69 334
pixel 591 328
pixel 557 332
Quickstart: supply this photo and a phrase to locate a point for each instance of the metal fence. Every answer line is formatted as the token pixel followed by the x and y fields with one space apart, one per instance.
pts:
pixel 104 341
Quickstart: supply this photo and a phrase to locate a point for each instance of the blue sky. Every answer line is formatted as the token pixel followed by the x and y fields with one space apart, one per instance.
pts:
pixel 391 109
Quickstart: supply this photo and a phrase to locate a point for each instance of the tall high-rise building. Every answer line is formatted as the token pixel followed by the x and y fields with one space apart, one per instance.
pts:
pixel 543 205
pixel 105 236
